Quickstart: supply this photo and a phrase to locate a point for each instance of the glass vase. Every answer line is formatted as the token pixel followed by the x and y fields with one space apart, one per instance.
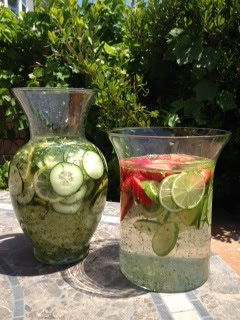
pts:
pixel 58 180
pixel 166 204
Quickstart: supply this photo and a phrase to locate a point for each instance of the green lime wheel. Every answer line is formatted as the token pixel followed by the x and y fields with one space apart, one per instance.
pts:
pixel 165 194
pixel 188 189
pixel 151 189
pixel 165 238
pixel 43 187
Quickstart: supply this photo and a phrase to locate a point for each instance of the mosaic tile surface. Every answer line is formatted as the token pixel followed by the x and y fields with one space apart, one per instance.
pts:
pixel 95 288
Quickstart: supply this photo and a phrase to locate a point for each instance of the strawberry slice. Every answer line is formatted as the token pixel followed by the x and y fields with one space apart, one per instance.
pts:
pixel 126 203
pixel 206 174
pixel 151 175
pixel 126 184
pixel 134 184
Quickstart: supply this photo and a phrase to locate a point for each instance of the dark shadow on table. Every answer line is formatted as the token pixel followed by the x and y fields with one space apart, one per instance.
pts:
pixel 17 259
pixel 99 273
pixel 225 228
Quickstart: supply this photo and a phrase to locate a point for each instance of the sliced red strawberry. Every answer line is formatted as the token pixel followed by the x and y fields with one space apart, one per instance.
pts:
pixel 206 174
pixel 151 175
pixel 126 184
pixel 125 172
pixel 126 203
pixel 135 162
pixel 133 184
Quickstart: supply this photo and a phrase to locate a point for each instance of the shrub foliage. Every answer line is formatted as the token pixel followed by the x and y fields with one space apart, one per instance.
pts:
pixel 166 63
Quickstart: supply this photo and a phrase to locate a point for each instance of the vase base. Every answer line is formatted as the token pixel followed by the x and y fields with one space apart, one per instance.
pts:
pixel 61 260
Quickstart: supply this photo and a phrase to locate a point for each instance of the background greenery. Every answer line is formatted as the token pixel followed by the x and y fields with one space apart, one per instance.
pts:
pixel 166 63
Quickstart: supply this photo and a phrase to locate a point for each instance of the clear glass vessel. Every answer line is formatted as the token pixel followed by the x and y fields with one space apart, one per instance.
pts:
pixel 166 204
pixel 58 180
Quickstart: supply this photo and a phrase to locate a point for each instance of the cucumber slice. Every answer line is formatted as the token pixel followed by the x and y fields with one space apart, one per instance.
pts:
pixel 146 226
pixel 93 165
pixel 75 156
pixel 24 162
pixel 15 181
pixel 27 195
pixel 43 187
pixel 165 239
pixel 66 208
pixel 52 157
pixel 99 203
pixel 76 196
pixel 66 178
pixel 151 189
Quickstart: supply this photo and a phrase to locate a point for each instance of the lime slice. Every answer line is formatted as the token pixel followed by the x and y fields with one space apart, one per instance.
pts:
pixel 146 226
pixel 188 189
pixel 151 189
pixel 165 194
pixel 151 212
pixel 43 187
pixel 15 181
pixel 24 162
pixel 165 238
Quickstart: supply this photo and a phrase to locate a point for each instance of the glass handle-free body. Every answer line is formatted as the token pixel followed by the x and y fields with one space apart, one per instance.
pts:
pixel 58 180
pixel 166 204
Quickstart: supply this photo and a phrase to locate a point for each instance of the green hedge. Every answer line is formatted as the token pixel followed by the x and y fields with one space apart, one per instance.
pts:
pixel 167 63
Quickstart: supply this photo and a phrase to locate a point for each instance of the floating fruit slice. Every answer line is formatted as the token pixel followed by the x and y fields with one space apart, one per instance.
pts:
pixel 206 174
pixel 151 212
pixel 126 203
pixel 79 195
pixel 43 187
pixel 165 239
pixel 151 189
pixel 24 162
pixel 93 165
pixel 67 208
pixel 133 184
pixel 146 226
pixel 15 181
pixel 27 195
pixel 165 194
pixel 66 178
pixel 75 156
pixel 188 189
pixel 53 156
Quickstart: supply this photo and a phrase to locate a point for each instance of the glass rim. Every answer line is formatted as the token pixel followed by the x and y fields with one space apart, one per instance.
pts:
pixel 54 89
pixel 119 132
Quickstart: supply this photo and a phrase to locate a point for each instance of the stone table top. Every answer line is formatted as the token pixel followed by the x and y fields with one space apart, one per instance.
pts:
pixel 95 288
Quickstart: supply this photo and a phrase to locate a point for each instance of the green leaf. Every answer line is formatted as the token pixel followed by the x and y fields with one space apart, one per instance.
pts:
pixel 177 105
pixel 205 90
pixel 186 50
pixel 225 100
pixel 52 36
pixel 209 59
pixel 109 50
pixel 191 107
pixel 171 120
pixel 176 32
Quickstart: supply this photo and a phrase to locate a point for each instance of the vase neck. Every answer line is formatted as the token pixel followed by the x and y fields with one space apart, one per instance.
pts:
pixel 55 112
